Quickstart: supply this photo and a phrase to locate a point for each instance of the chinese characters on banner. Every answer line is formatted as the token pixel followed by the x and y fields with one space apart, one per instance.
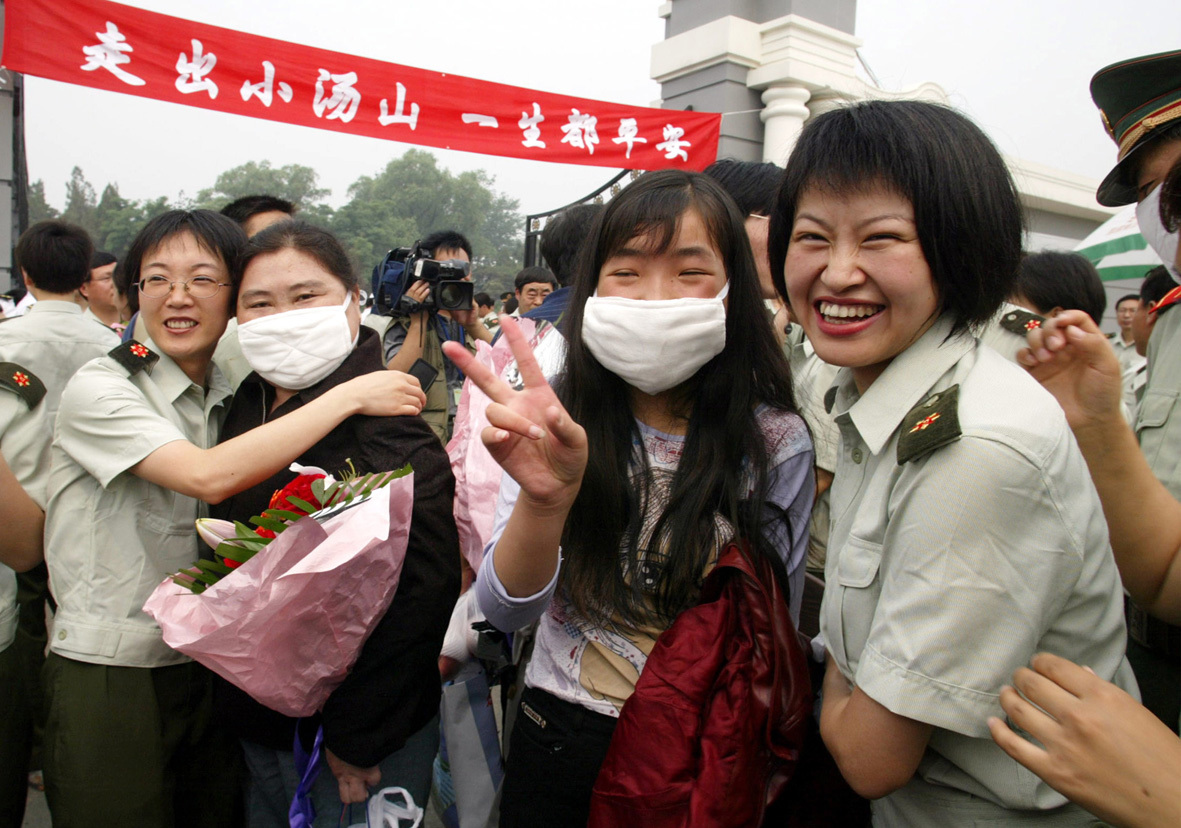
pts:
pixel 123 49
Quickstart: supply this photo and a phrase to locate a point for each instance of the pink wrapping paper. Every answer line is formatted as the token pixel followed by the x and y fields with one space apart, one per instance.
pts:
pixel 477 475
pixel 287 625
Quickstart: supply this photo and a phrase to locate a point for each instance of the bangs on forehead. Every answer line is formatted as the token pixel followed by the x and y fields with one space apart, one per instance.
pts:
pixel 856 173
pixel 203 244
pixel 651 220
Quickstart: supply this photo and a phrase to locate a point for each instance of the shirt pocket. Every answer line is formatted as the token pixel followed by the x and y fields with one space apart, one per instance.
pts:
pixel 1155 435
pixel 1155 409
pixel 859 563
pixel 859 588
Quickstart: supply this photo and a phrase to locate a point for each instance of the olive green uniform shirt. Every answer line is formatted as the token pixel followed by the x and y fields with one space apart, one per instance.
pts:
pixel 947 572
pixel 111 537
pixel 1158 423
pixel 51 340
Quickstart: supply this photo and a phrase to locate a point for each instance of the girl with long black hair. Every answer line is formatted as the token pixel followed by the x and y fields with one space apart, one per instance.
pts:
pixel 670 432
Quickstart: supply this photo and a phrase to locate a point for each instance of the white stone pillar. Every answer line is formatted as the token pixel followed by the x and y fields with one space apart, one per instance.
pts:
pixel 783 115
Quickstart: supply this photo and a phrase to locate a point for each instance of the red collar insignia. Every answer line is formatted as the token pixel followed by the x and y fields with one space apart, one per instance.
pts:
pixel 1167 301
pixel 922 424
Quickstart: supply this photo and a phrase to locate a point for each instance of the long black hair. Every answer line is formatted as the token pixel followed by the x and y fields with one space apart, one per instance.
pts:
pixel 724 467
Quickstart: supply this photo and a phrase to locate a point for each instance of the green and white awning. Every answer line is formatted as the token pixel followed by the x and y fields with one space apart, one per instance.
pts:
pixel 1117 249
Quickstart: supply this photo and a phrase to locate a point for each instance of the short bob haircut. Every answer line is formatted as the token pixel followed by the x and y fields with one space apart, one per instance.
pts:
pixel 214 233
pixel 1054 279
pixel 55 255
pixel 305 238
pixel 751 184
pixel 966 208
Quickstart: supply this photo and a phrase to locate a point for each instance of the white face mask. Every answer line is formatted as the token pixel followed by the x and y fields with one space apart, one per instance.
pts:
pixel 654 345
pixel 296 349
pixel 1159 239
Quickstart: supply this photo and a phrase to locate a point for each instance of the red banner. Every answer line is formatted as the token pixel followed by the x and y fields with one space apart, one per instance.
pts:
pixel 123 49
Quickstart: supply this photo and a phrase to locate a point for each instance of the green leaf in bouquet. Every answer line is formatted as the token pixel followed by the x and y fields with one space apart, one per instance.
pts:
pixel 271 523
pixel 215 567
pixel 202 575
pixel 188 583
pixel 330 494
pixel 298 503
pixel 234 552
pixel 282 514
pixel 254 544
pixel 245 533
pixel 318 490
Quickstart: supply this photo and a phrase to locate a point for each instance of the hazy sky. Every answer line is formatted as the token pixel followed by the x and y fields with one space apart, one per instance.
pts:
pixel 1021 68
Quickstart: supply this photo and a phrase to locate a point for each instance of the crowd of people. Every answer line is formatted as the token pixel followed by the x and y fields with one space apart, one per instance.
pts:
pixel 723 390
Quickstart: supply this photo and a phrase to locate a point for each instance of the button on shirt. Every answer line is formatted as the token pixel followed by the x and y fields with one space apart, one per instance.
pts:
pixel 111 537
pixel 948 572
pixel 52 340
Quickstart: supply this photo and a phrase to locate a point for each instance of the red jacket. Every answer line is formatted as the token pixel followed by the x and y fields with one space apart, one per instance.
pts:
pixel 715 726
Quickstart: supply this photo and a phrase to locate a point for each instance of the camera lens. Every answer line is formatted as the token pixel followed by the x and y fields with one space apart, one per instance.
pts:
pixel 455 295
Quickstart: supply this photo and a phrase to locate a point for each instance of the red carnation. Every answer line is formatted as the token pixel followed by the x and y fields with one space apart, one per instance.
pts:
pixel 299 488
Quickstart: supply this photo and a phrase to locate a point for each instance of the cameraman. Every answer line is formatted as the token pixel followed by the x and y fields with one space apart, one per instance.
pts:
pixel 410 337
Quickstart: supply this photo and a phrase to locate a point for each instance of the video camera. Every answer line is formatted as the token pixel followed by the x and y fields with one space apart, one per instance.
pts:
pixel 404 266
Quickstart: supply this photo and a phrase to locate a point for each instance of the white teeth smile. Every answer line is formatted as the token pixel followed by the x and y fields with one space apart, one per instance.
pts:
pixel 180 323
pixel 832 311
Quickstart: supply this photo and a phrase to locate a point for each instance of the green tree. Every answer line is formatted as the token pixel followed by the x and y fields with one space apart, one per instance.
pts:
pixel 413 196
pixel 81 203
pixel 120 225
pixel 39 209
pixel 294 182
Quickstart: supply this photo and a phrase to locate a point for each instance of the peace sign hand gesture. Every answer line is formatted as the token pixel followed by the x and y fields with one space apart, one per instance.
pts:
pixel 531 435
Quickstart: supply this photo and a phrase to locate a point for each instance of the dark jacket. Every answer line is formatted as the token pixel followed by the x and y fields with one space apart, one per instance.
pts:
pixel 393 689
pixel 720 713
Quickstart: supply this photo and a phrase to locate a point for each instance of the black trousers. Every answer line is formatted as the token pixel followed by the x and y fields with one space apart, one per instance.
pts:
pixel 555 753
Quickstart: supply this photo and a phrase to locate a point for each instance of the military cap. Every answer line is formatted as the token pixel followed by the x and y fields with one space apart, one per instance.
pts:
pixel 1136 98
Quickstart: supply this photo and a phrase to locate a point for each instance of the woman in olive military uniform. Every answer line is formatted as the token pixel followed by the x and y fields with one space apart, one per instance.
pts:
pixel 966 535
pixel 131 738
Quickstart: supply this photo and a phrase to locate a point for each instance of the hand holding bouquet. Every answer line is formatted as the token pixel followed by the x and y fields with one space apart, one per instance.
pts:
pixel 286 625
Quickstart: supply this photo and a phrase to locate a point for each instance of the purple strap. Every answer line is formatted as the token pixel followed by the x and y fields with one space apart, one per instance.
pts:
pixel 302 813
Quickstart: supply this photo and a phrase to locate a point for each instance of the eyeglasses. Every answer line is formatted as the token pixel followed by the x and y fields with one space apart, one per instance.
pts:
pixel 199 287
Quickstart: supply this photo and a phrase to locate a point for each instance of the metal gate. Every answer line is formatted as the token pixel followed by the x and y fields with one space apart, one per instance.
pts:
pixel 536 222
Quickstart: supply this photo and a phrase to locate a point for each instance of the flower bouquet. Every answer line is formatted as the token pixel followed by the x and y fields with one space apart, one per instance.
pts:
pixel 286 625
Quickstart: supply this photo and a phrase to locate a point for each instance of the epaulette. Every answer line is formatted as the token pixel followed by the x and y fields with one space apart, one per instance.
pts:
pixel 1021 322
pixel 931 424
pixel 1167 301
pixel 134 356
pixel 23 381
